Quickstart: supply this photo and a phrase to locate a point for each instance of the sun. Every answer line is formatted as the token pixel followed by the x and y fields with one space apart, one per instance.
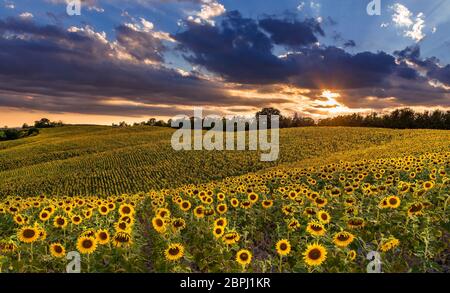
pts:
pixel 330 95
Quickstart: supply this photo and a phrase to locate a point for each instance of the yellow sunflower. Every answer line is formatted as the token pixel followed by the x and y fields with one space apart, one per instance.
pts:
pixel 102 237
pixel 42 233
pixel 28 234
pixel 159 225
pixel 86 245
pixel 351 255
pixel 428 185
pixel 199 212
pixel 393 201
pixel 122 239
pixel 127 219
pixel 20 220
pixel 415 209
pixel 315 228
pixel 88 214
pixel 246 204
pixel 222 208
pixel 343 239
pixel 174 252
pixel 163 213
pixel 356 223
pixel 57 250
pixel 103 210
pixel 389 244
pixel 293 224
pixel 267 203
pixel 126 209
pixel 315 254
pixel 324 217
pixel 76 220
pixel 44 215
pixel 60 222
pixel 185 205
pixel 122 226
pixel 320 202
pixel 222 222
pixel 253 197
pixel 231 237
pixel 178 224
pixel 218 231
pixel 244 257
pixel 384 203
pixel 220 196
pixel 283 247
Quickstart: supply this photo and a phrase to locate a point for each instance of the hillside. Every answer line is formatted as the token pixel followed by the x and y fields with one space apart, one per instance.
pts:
pixel 335 195
pixel 101 160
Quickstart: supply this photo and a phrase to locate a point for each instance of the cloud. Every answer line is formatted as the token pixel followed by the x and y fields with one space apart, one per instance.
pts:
pixel 239 51
pixel 402 17
pixel 76 71
pixel 315 6
pixel 145 26
pixel 292 33
pixel 26 15
pixel 9 5
pixel 96 9
pixel 412 26
pixel 236 61
pixel 349 44
pixel 236 49
pixel 429 67
pixel 335 68
pixel 209 10
pixel 140 44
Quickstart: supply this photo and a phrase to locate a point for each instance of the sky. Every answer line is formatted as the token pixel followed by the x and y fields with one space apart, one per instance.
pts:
pixel 124 60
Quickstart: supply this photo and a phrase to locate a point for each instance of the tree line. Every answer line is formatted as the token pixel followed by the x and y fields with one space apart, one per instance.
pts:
pixel 400 119
pixel 405 118
pixel 26 130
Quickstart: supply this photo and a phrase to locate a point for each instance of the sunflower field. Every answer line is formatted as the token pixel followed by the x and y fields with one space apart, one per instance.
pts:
pixel 322 218
pixel 105 161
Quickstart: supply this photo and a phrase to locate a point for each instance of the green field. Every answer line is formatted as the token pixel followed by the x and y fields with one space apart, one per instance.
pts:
pixel 334 195
pixel 100 160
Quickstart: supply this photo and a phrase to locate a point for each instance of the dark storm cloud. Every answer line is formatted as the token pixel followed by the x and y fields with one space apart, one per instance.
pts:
pixel 292 33
pixel 76 70
pixel 238 50
pixel 430 65
pixel 335 68
pixel 442 74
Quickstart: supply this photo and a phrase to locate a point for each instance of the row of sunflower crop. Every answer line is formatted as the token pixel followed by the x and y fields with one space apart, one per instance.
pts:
pixel 325 219
pixel 64 161
pixel 38 232
pixel 318 219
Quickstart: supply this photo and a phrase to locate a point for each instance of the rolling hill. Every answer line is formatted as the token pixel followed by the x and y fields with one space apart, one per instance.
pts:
pixel 101 160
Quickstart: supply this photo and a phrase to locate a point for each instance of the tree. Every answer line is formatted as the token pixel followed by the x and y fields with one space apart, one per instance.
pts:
pixel 43 123
pixel 12 134
pixel 269 112
pixel 151 122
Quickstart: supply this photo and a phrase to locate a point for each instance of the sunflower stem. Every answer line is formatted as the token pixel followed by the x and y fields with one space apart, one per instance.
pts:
pixel 281 264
